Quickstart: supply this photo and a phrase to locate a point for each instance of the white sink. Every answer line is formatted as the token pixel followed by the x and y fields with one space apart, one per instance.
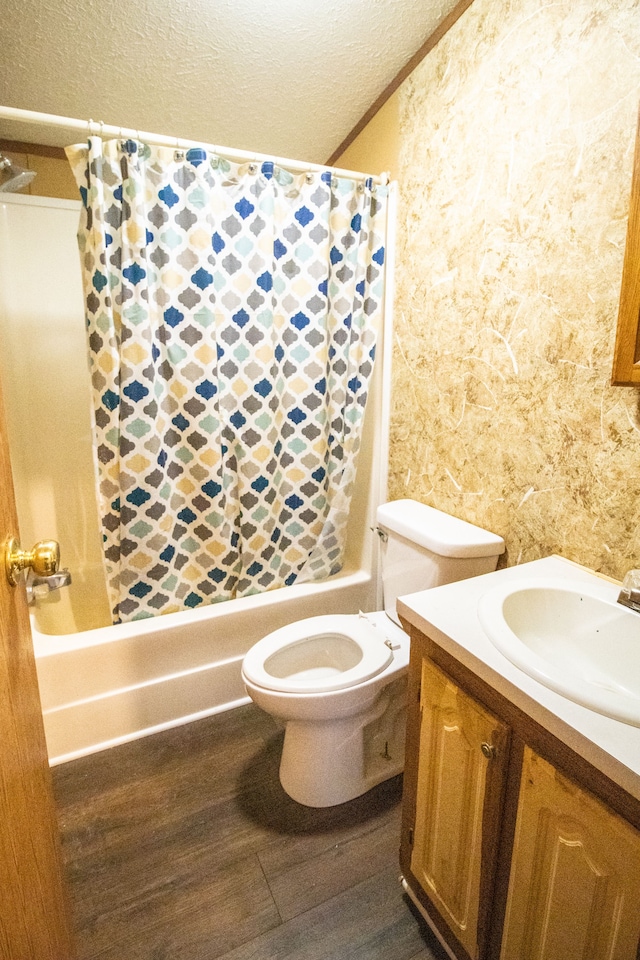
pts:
pixel 571 636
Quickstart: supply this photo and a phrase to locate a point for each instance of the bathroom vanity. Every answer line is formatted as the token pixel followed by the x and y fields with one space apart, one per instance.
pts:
pixel 521 810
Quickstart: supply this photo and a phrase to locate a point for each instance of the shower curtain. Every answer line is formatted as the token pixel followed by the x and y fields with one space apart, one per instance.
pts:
pixel 231 319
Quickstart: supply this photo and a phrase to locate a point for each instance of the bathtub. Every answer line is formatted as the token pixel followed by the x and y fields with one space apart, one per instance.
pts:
pixel 106 686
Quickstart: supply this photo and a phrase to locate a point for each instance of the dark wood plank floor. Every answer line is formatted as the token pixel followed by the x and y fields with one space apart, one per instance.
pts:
pixel 183 846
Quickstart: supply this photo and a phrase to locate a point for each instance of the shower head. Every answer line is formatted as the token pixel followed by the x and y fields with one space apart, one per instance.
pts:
pixel 13 177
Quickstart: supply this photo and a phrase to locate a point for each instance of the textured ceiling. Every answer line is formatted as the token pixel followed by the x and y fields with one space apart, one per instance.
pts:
pixel 283 77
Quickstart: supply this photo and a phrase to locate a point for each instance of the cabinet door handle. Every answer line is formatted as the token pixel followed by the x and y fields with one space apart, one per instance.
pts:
pixel 488 750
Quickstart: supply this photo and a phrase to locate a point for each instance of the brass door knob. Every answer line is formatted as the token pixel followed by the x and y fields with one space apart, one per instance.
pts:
pixel 44 559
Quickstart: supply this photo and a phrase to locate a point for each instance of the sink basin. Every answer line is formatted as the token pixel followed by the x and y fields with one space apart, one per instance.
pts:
pixel 571 636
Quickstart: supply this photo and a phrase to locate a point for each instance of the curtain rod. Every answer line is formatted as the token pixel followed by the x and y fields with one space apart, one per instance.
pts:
pixel 98 128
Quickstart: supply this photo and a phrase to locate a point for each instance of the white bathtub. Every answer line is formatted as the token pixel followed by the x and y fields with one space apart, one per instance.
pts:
pixel 106 686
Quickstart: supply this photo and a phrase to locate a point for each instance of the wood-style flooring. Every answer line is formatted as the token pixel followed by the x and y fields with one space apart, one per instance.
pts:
pixel 183 846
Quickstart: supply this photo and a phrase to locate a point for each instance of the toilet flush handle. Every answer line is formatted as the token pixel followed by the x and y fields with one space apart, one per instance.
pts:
pixel 384 536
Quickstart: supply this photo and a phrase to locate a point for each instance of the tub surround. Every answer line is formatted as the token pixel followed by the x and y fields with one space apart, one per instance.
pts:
pixel 46 385
pixel 447 615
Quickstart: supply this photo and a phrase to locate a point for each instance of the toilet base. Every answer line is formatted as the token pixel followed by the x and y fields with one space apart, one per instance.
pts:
pixel 330 762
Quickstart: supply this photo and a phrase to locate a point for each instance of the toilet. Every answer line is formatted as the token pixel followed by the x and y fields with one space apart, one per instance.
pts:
pixel 339 681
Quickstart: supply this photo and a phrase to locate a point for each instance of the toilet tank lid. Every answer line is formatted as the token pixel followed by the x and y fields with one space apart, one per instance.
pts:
pixel 439 532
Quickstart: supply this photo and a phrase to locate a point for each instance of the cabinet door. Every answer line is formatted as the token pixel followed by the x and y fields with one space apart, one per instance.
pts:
pixel 462 751
pixel 574 892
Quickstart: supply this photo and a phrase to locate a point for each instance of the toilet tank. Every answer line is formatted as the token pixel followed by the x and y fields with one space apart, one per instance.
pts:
pixel 423 547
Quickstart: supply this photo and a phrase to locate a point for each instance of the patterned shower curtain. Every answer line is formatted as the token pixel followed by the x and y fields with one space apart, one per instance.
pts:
pixel 231 318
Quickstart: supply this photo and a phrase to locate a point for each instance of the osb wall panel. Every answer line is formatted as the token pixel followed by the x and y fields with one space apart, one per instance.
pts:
pixel 517 137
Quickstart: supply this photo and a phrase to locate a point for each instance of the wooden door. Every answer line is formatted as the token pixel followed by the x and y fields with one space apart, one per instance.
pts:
pixel 462 762
pixel 33 913
pixel 574 892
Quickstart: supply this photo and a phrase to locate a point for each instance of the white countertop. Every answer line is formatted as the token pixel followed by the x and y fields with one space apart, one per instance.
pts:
pixel 448 615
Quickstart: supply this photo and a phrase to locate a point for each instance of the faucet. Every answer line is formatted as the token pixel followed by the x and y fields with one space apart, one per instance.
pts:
pixel 41 586
pixel 630 593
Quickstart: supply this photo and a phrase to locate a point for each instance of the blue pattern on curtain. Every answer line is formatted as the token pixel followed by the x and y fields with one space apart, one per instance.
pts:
pixel 231 318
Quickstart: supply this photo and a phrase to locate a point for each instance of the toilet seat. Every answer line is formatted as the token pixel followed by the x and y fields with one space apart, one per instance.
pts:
pixel 318 655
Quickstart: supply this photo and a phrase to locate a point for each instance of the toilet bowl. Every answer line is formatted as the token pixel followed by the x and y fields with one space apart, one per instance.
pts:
pixel 339 681
pixel 339 684
pixel 318 655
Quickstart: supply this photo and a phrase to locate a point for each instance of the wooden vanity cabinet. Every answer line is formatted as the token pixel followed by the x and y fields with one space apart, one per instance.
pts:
pixel 456 816
pixel 507 856
pixel 574 889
